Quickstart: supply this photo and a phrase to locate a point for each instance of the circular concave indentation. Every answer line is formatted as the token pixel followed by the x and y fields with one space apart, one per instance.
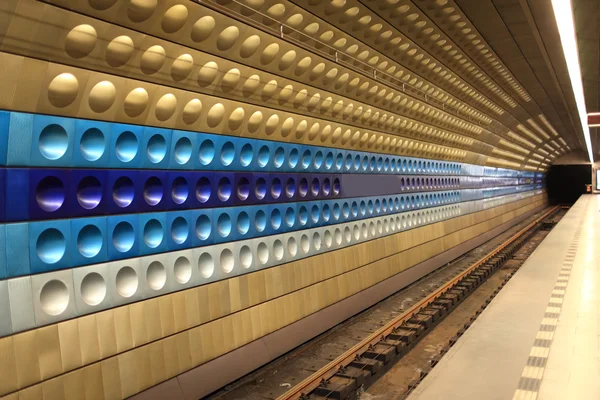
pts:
pixel 260 220
pixel 207 152
pixel 126 146
pixel 336 186
pixel 174 18
pixel 276 188
pixel 243 188
pixel 89 192
pixel 89 241
pixel 260 188
pixel 123 237
pixel 226 260
pixel 246 155
pixel 179 190
pixel 304 244
pixel 262 252
pixel 180 230
pixel 279 157
pixel 80 41
pixel 292 247
pixel 127 282
pixel 224 189
pixel 136 102
pixel 303 187
pixel 182 269
pixel 157 149
pixel 227 153
pixel 102 96
pixel 153 191
pixel 141 10
pixel 50 194
pixel 315 187
pixel 203 227
pixel 243 223
pixel 275 219
pixel 246 257
pixel 153 233
pixel 123 191
pixel 206 265
pixel 119 51
pixel 156 275
pixel 63 90
pixel 290 188
pixel 202 28
pixel 264 155
pixel 278 249
pixel 51 246
pixel 183 150
pixel 93 289
pixel 203 190
pixel 54 297
pixel 290 217
pixel 92 144
pixel 53 142
pixel 224 225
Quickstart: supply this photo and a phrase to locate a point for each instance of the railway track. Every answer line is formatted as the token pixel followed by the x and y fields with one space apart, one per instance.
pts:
pixel 356 364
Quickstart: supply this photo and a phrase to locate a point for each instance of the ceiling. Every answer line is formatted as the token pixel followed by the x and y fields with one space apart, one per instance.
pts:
pixel 496 67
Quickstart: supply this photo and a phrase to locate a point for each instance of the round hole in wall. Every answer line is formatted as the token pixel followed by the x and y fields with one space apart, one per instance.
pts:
pixel 315 187
pixel 93 289
pixel 54 297
pixel 123 237
pixel 180 230
pixel 89 241
pixel 290 188
pixel 290 217
pixel 275 219
pixel 51 246
pixel 326 187
pixel 315 214
pixel 156 275
pixel 279 157
pixel 264 155
pixel 316 241
pixel 292 246
pixel 302 215
pixel 50 194
pixel 92 144
pixel 293 158
pixel 123 191
pixel 278 249
pixel 153 191
pixel 53 142
pixel 326 212
pixel 127 282
pixel 303 187
pixel 260 220
pixel 246 155
pixel 153 233
pixel 306 159
pixel 304 243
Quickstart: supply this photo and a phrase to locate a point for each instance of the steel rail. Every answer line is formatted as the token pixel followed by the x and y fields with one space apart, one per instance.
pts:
pixel 304 388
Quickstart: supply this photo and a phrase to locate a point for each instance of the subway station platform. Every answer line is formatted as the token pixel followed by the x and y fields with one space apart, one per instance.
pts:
pixel 538 339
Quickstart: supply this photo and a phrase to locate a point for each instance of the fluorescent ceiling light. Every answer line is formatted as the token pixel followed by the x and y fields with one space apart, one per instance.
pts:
pixel 563 12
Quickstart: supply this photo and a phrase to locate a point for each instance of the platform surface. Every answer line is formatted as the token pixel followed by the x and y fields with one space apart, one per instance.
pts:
pixel 538 339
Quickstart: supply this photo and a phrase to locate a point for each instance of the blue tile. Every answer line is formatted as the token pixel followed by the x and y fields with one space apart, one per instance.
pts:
pixel 123 191
pixel 17 249
pixel 3 269
pixel 154 194
pixel 19 139
pixel 202 227
pixel 50 245
pixel 126 149
pixel 4 131
pixel 89 238
pixel 88 192
pixel 184 150
pixel 17 204
pixel 156 147
pixel 52 141
pixel 181 192
pixel 48 193
pixel 92 143
pixel 123 238
pixel 152 233
pixel 181 230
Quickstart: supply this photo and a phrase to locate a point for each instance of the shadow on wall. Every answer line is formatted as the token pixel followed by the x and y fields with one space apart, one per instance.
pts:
pixel 565 183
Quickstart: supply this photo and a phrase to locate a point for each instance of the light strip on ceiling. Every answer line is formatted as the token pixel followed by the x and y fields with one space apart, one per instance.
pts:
pixel 563 13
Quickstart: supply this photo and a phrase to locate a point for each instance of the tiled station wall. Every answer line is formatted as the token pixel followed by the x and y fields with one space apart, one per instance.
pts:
pixel 152 219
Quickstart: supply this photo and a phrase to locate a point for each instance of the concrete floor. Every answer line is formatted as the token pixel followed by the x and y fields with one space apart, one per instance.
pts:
pixel 538 339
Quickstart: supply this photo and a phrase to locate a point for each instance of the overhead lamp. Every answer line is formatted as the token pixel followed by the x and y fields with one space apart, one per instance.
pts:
pixel 563 13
